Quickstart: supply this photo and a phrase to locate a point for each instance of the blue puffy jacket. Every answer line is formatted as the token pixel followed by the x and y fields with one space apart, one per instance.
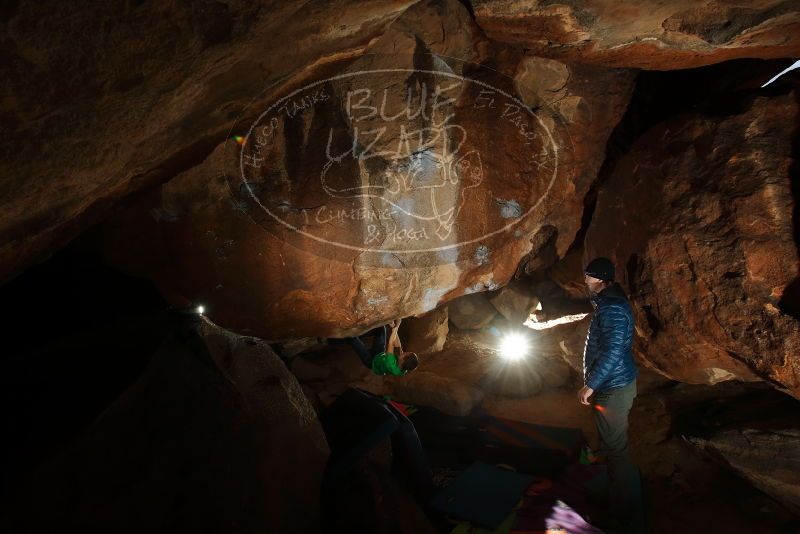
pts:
pixel 607 359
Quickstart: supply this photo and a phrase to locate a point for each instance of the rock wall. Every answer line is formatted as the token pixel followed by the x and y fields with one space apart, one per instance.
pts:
pixel 318 169
pixel 708 261
pixel 273 239
pixel 650 34
pixel 101 101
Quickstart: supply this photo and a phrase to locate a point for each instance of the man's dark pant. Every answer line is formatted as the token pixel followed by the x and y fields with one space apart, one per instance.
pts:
pixel 611 408
pixel 357 422
pixel 378 346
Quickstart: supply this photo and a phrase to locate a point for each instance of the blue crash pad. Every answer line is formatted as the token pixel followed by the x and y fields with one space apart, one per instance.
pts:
pixel 483 494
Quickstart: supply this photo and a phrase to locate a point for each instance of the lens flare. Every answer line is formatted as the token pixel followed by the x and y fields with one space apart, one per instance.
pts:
pixel 239 139
pixel 793 66
pixel 514 347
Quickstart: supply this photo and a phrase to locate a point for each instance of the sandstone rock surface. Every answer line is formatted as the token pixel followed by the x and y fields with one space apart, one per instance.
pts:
pixel 515 301
pixel 768 459
pixel 756 436
pixel 122 96
pixel 153 138
pixel 650 34
pixel 425 333
pixel 471 312
pixel 709 262
pixel 446 394
pixel 328 262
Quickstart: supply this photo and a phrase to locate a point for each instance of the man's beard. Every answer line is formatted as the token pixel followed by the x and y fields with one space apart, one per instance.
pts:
pixel 593 292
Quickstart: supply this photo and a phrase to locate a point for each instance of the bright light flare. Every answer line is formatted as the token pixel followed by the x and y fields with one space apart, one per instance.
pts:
pixel 793 66
pixel 514 347
pixel 200 310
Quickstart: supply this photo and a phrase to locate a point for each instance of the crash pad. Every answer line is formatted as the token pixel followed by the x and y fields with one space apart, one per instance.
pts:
pixel 483 494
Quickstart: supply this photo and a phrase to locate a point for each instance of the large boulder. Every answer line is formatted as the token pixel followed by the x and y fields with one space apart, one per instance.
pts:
pixel 553 371
pixel 217 435
pixel 755 434
pixel 768 459
pixel 294 232
pixel 471 312
pixel 515 301
pixel 306 370
pixel 150 91
pixel 650 34
pixel 711 262
pixel 446 394
pixel 425 333
pixel 114 112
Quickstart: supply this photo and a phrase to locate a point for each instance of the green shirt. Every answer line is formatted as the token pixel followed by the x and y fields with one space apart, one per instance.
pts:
pixel 385 363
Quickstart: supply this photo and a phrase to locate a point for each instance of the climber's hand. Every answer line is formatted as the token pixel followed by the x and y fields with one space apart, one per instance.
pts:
pixel 584 394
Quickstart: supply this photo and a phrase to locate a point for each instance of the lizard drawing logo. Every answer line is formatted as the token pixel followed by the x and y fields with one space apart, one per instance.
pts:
pixel 426 181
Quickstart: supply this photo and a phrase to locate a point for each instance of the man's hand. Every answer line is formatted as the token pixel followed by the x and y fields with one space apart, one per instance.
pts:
pixel 394 338
pixel 584 394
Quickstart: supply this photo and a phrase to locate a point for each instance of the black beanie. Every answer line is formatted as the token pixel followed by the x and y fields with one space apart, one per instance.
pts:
pixel 601 268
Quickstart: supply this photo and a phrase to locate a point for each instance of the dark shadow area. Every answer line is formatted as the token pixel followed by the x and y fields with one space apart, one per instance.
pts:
pixel 478 469
pixel 205 440
pixel 790 300
pixel 76 334
pixel 701 410
pixel 750 431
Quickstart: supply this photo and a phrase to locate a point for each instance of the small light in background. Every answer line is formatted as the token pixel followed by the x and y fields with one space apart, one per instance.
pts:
pixel 200 309
pixel 514 347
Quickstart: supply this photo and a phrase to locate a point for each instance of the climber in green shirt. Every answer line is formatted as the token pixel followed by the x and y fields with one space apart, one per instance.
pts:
pixel 387 356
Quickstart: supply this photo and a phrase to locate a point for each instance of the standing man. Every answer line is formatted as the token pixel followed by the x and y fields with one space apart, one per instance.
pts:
pixel 609 374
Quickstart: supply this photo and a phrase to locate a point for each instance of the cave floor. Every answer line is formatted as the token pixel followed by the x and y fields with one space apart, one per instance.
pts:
pixel 683 491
